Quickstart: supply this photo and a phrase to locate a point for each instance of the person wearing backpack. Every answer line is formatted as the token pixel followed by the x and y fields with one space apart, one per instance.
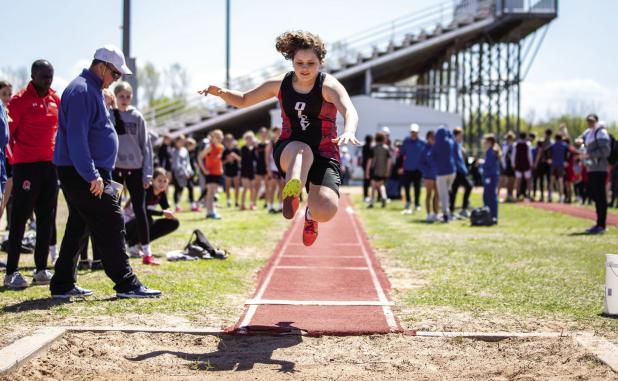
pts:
pixel 521 157
pixel 599 144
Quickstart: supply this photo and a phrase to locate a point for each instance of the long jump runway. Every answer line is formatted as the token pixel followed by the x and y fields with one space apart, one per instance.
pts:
pixel 334 287
pixel 576 211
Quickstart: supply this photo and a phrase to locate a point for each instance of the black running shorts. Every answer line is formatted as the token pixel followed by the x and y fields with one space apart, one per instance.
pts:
pixel 324 172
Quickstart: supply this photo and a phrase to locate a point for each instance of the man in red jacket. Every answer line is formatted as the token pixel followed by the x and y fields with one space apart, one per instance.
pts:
pixel 34 111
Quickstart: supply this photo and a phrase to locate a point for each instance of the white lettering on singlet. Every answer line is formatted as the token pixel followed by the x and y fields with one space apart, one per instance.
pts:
pixel 300 107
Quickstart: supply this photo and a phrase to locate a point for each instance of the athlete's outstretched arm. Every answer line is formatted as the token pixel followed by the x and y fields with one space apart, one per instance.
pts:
pixel 334 92
pixel 265 91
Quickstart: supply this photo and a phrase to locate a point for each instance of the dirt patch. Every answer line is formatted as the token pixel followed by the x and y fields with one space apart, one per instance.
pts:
pixel 140 356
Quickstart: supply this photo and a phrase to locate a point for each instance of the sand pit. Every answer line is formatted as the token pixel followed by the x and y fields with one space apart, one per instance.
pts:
pixel 148 356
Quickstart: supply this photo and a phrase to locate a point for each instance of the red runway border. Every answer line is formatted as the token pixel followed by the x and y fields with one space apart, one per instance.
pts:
pixel 575 211
pixel 335 287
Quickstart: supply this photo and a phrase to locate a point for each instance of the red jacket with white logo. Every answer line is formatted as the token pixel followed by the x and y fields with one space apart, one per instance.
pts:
pixel 34 125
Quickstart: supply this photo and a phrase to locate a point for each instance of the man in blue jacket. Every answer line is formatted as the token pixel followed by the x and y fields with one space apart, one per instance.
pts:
pixel 85 154
pixel 411 150
pixel 443 157
pixel 461 177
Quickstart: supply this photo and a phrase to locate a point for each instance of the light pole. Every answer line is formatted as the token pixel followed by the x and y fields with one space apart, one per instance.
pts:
pixel 126 48
pixel 227 43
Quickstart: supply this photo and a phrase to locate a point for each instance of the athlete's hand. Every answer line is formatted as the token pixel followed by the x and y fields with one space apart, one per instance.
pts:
pixel 168 213
pixel 96 187
pixel 345 138
pixel 213 90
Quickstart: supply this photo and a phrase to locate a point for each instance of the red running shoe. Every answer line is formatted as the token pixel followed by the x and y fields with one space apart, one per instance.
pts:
pixel 291 198
pixel 310 232
pixel 149 260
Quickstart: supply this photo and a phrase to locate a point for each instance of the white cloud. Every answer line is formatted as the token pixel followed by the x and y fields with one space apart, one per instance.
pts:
pixel 582 96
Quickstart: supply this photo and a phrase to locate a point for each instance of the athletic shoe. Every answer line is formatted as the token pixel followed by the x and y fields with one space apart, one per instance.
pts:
pixel 214 216
pixel 229 204
pixel 406 211
pixel 383 203
pixel 310 231
pixel 242 207
pixel 432 217
pixel 41 278
pixel 83 265
pixel 406 206
pixel 178 209
pixel 370 205
pixel 135 251
pixel 446 218
pixel 2 264
pixel 291 198
pixel 464 213
pixel 150 260
pixel 139 292
pixel 196 209
pixel 252 207
pixel 15 281
pixel 367 200
pixel 417 209
pixel 596 230
pixel 75 292
pixel 96 265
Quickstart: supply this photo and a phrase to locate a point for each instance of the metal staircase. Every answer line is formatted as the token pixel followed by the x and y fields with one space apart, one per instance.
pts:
pixel 464 56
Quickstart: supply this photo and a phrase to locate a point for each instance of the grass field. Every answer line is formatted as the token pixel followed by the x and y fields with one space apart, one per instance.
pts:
pixel 533 265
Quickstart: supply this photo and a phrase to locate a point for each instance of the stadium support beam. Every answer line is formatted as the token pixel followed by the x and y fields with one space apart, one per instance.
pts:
pixel 368 82
pixel 126 48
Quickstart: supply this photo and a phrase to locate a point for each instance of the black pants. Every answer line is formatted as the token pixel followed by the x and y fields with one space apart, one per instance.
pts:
pixel 99 217
pixel 596 188
pixel 83 251
pixel 190 186
pixel 158 228
pixel 412 177
pixel 35 187
pixel 461 180
pixel 177 191
pixel 132 178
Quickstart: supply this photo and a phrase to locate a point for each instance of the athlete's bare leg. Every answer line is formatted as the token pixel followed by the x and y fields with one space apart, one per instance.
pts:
pixel 236 182
pixel 296 160
pixel 322 203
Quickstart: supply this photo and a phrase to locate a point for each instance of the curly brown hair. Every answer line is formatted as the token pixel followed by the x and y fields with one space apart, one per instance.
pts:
pixel 289 43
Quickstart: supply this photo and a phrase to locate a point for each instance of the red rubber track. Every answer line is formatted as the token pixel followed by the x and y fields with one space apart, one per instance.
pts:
pixel 335 287
pixel 575 211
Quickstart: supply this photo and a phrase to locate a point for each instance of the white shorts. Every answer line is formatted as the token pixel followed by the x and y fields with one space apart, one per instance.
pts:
pixel 520 174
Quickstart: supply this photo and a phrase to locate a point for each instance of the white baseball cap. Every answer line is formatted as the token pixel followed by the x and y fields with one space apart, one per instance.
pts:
pixel 386 130
pixel 113 55
pixel 414 127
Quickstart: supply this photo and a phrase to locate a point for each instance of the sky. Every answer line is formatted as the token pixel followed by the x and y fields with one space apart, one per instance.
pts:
pixel 575 68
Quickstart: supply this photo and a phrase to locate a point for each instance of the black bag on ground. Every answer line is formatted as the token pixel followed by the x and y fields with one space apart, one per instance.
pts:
pixel 481 217
pixel 201 247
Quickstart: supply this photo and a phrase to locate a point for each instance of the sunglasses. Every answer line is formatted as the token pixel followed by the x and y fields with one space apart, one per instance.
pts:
pixel 115 74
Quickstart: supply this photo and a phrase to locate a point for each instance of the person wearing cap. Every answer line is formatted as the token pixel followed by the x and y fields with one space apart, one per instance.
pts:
pixel 411 150
pixel 86 150
pixel 34 111
pixel 598 148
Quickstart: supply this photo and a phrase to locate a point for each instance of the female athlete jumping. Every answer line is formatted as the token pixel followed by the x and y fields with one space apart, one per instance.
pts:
pixel 308 150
